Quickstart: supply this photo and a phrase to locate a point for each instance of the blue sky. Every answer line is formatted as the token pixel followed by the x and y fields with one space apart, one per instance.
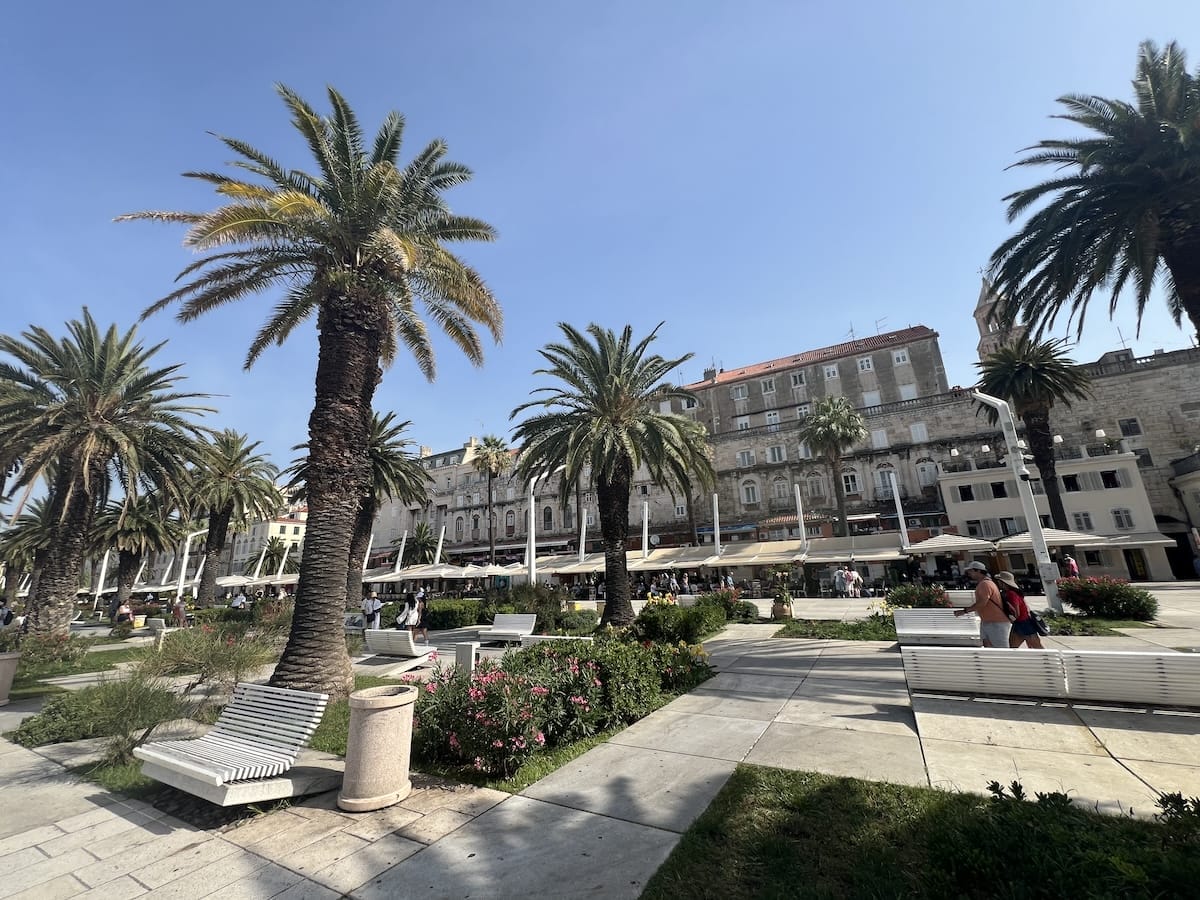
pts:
pixel 763 177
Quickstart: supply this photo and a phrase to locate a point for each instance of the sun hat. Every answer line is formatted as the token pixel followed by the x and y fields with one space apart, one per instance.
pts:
pixel 975 565
pixel 1006 578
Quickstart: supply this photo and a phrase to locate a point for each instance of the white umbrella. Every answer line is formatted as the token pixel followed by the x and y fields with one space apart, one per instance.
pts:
pixel 1054 538
pixel 234 580
pixel 950 543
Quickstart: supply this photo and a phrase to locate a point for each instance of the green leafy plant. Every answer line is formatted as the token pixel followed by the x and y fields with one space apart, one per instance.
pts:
pixel 1108 598
pixel 672 624
pixel 116 707
pixel 42 652
pixel 442 615
pixel 211 655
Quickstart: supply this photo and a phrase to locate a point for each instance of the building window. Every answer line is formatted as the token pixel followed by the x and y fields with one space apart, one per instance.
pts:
pixel 459 525
pixel 900 357
pixel 1110 478
pixel 548 519
pixel 689 403
pixel 1071 484
pixel 475 523
pixel 749 492
pixel 850 482
pixel 1144 459
pixel 1008 525
pixel 879 438
pixel 870 398
pixel 805 451
pixel 803 410
pixel 739 392
pixel 1036 488
pixel 1083 521
pixel 295 529
pixel 680 510
pixel 920 434
pixel 779 489
pixel 999 490
pixel 908 391
pixel 510 523
pixel 768 385
pixel 974 528
pixel 831 372
pixel 745 459
pixel 773 420
pixel 1129 427
pixel 797 379
pixel 865 364
pixel 814 485
pixel 927 474
pixel 1122 519
pixel 742 423
pixel 1092 558
pixel 776 454
pixel 643 490
pixel 966 493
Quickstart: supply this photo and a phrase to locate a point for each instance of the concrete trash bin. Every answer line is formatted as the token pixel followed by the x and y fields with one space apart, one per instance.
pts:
pixel 378 747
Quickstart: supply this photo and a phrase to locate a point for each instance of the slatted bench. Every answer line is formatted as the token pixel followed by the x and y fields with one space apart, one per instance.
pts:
pixel 398 645
pixel 528 640
pixel 938 627
pixel 160 630
pixel 256 739
pixel 1125 676
pixel 509 627
pixel 998 671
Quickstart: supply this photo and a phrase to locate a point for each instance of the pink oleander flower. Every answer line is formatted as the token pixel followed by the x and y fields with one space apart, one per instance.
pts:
pixel 497 743
pixel 539 691
pixel 540 738
pixel 431 687
pixel 454 744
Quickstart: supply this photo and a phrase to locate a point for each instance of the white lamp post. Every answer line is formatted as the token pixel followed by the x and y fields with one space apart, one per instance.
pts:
pixel 645 529
pixel 1041 552
pixel 716 525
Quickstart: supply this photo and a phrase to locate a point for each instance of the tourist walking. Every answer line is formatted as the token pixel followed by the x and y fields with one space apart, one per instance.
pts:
pixel 371 607
pixel 1024 629
pixel 994 625
pixel 1072 566
pixel 839 582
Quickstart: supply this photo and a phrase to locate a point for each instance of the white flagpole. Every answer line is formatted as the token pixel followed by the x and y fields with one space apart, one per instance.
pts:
pixel 400 555
pixel 800 519
pixel 899 509
pixel 645 528
pixel 716 524
pixel 370 544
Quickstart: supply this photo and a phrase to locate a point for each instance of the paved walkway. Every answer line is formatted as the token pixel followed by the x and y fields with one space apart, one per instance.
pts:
pixel 601 825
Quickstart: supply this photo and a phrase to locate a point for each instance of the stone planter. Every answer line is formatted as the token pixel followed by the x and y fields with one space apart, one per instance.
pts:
pixel 378 747
pixel 600 608
pixel 8 669
pixel 781 610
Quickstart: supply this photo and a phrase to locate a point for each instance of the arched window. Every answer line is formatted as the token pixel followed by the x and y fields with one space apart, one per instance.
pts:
pixel 779 489
pixel 474 523
pixel 814 485
pixel 459 524
pixel 548 518
pixel 749 491
pixel 510 523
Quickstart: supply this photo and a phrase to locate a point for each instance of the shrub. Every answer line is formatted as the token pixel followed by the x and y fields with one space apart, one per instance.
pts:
pixel 1108 598
pixel 580 622
pixel 727 600
pixel 917 596
pixel 114 707
pixel 211 655
pixel 390 612
pixel 681 666
pixel 47 652
pixel 672 624
pixel 222 616
pixel 441 615
pixel 745 611
pixel 492 607
pixel 121 630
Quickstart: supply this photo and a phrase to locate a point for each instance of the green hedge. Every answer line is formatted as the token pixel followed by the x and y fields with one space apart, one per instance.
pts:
pixel 222 614
pixel 441 615
pixel 672 624
pixel 1108 598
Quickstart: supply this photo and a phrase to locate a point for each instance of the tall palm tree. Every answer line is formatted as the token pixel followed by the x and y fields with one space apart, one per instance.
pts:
pixel 1126 208
pixel 492 458
pixel 1034 376
pixel 396 474
pixel 232 482
pixel 356 244
pixel 420 546
pixel 277 551
pixel 137 527
pixel 20 544
pixel 85 412
pixel 605 414
pixel 832 428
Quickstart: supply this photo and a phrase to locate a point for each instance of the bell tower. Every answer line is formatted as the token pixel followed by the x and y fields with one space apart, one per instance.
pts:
pixel 992 335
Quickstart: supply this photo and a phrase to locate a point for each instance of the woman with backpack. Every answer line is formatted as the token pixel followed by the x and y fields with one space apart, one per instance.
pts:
pixel 1024 627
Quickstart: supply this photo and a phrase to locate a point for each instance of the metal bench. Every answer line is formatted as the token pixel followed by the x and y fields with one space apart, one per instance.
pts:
pixel 1124 676
pixel 1002 672
pixel 257 738
pixel 939 627
pixel 508 627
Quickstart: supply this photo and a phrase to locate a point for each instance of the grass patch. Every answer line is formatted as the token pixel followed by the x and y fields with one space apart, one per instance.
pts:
pixel 771 833
pixel 1090 626
pixel 330 736
pixel 872 628
pixel 27 685
pixel 122 778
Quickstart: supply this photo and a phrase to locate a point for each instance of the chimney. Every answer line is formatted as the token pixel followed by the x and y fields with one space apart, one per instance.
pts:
pixel 710 374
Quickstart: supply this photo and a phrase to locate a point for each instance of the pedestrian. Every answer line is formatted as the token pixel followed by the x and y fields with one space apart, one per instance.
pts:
pixel 854 582
pixel 1024 629
pixel 673 585
pixel 180 610
pixel 421 626
pixel 994 625
pixel 124 613
pixel 1072 566
pixel 684 587
pixel 839 581
pixel 6 614
pixel 371 607
pixel 240 600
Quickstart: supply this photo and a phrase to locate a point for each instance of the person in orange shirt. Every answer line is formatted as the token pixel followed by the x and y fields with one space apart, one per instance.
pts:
pixel 994 625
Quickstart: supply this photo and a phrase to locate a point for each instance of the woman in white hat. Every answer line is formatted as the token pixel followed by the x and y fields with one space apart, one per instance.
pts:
pixel 1024 629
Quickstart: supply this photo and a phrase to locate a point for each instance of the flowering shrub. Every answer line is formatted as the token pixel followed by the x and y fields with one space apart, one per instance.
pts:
pixel 1108 598
pixel 728 600
pixel 915 596
pixel 681 666
pixel 672 624
pixel 44 652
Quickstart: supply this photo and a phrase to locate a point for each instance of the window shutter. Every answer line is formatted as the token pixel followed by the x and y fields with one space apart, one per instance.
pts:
pixel 983 491
pixel 991 527
pixel 1123 478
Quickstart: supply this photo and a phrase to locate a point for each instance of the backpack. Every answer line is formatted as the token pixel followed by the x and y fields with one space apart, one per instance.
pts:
pixel 1013 604
pixel 6 618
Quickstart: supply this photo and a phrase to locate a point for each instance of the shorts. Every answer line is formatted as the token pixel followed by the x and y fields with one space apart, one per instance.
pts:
pixel 995 633
pixel 1025 627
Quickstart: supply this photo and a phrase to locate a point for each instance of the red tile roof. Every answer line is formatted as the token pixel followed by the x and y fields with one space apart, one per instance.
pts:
pixel 808 357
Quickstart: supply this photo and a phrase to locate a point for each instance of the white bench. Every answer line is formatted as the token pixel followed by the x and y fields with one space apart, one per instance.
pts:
pixel 999 671
pixel 160 630
pixel 398 642
pixel 939 627
pixel 1156 679
pixel 528 640
pixel 508 627
pixel 257 737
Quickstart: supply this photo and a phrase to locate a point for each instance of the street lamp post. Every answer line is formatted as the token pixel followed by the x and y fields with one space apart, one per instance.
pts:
pixel 1016 460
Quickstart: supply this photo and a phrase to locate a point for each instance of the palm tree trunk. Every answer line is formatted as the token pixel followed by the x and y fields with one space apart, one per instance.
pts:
pixel 612 495
pixel 1041 448
pixel 12 583
pixel 339 472
pixel 214 546
pixel 71 509
pixel 491 522
pixel 127 566
pixel 1184 265
pixel 692 523
pixel 364 522
pixel 839 494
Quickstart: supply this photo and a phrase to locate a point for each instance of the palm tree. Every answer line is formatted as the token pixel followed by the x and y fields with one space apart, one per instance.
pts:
pixel 1128 204
pixel 356 245
pixel 420 546
pixel 1033 376
pixel 231 483
pixel 84 412
pixel 20 543
pixel 605 415
pixel 832 428
pixel 137 527
pixel 396 474
pixel 277 551
pixel 492 458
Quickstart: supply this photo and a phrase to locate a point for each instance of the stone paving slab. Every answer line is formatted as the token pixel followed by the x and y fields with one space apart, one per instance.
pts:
pixel 839 751
pixel 709 736
pixel 762 709
pixel 855 705
pixel 1030 725
pixel 527 848
pixel 1167 777
pixel 648 787
pixel 1155 736
pixel 733 683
